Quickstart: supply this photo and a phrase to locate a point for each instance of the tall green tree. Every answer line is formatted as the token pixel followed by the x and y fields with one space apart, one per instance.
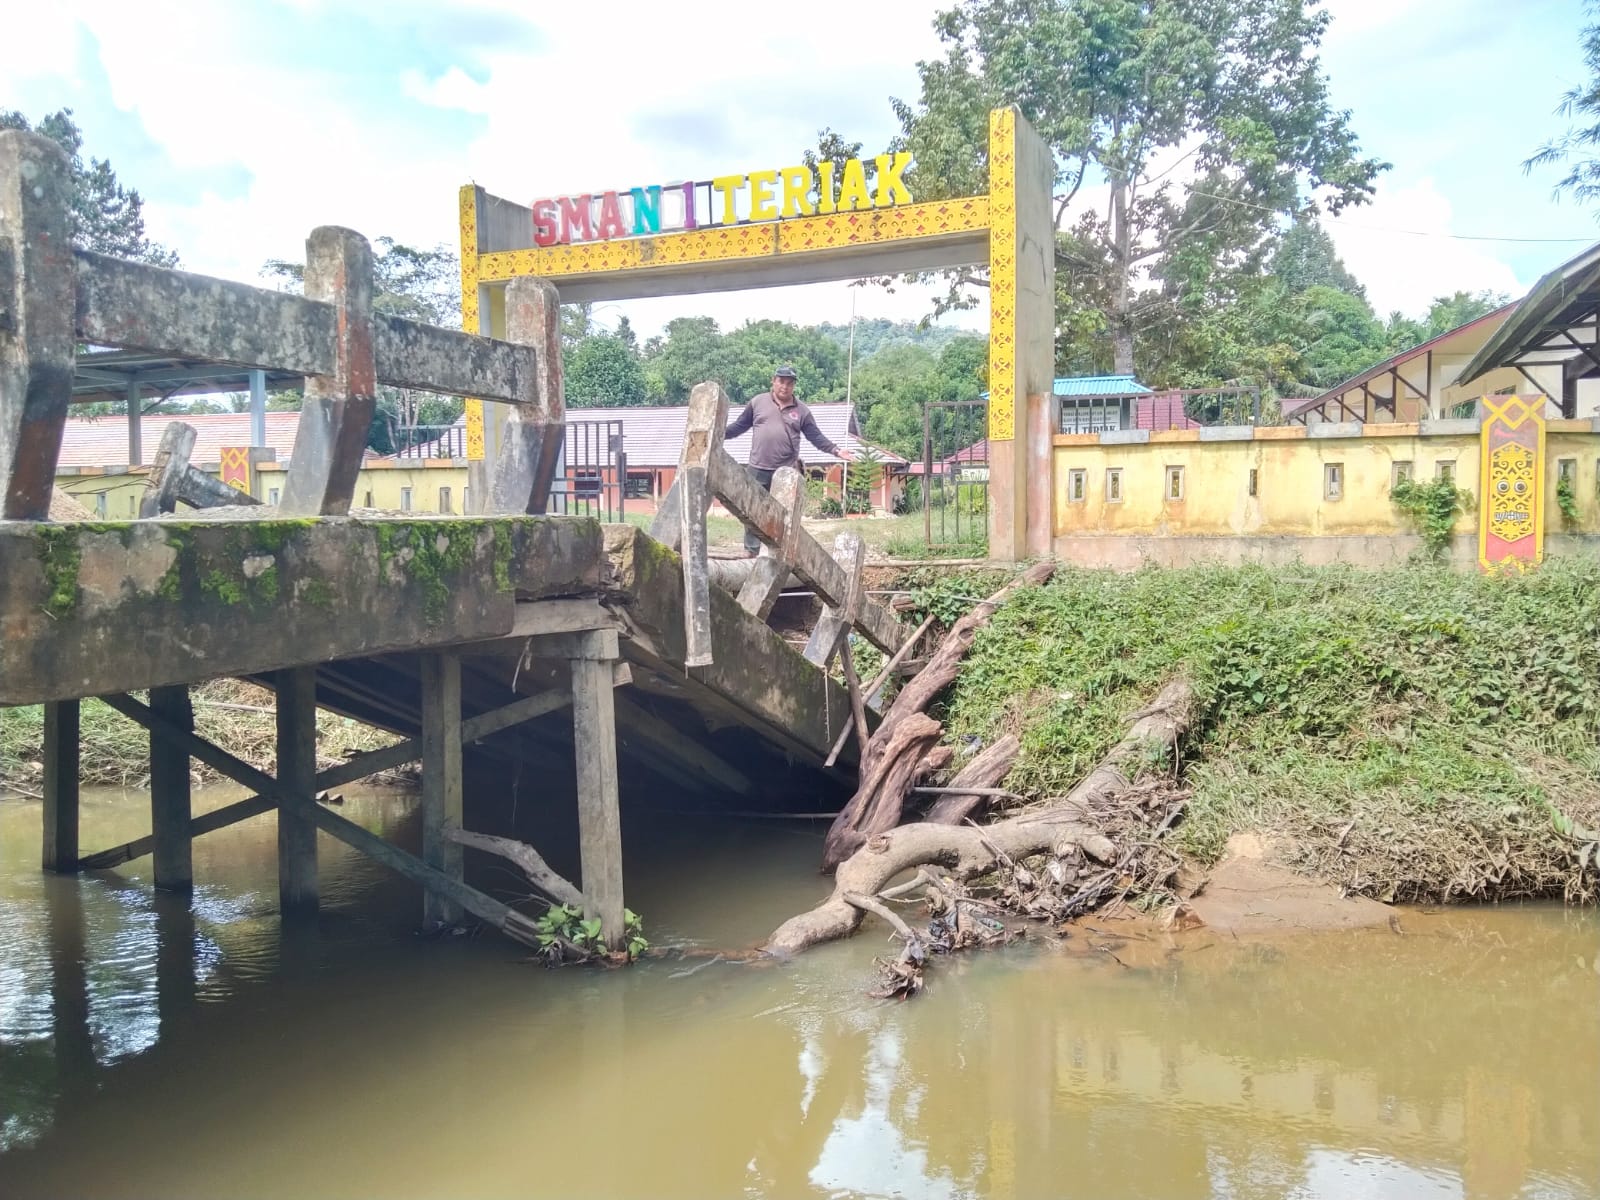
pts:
pixel 1203 121
pixel 1305 257
pixel 602 372
pixel 1578 149
pixel 107 216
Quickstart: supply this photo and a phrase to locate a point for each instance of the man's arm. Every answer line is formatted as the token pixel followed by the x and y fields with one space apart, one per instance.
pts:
pixel 816 437
pixel 741 423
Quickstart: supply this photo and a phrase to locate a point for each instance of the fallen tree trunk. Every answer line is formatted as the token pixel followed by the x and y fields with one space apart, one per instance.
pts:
pixel 992 764
pixel 877 805
pixel 967 852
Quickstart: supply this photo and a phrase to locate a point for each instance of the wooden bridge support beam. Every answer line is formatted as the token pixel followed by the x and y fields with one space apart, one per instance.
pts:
pixel 170 807
pixel 297 774
pixel 594 725
pixel 441 780
pixel 61 786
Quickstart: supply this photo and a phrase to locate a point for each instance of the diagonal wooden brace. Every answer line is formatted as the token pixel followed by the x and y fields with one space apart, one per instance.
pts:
pixel 850 552
pixel 532 438
pixel 770 571
pixel 337 412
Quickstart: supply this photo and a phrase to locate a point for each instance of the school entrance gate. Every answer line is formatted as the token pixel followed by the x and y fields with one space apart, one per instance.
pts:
pixel 774 228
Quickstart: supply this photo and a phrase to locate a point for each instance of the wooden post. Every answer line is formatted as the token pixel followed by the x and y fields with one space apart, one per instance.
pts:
pixel 849 551
pixel 594 725
pixel 441 779
pixel 161 486
pixel 169 793
pixel 768 573
pixel 702 446
pixel 337 410
pixel 531 440
pixel 297 772
pixel 37 281
pixel 61 786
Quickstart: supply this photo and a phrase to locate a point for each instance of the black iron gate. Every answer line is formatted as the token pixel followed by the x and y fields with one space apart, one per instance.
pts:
pixel 594 471
pixel 955 476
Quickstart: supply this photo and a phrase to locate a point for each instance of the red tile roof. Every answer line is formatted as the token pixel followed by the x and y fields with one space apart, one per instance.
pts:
pixel 103 441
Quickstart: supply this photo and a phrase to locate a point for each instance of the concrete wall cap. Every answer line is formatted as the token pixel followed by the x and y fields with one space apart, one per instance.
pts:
pixel 1450 425
pixel 1335 429
pixel 1124 437
pixel 1227 433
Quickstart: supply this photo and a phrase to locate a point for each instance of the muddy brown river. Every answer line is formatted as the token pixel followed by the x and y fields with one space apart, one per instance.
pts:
pixel 148 1049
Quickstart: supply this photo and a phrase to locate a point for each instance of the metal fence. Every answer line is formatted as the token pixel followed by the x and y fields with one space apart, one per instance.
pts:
pixel 432 441
pixel 594 471
pixel 1175 408
pixel 955 475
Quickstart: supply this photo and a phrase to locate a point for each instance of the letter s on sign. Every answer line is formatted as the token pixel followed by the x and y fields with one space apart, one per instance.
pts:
pixel 545 232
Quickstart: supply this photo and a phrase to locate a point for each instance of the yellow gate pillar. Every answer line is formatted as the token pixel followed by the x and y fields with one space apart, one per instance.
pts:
pixel 1022 295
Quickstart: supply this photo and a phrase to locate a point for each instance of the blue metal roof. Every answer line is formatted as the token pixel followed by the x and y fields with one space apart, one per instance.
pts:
pixel 1100 385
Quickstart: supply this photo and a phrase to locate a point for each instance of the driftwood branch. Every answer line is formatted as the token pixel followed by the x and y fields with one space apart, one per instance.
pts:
pixel 976 782
pixel 528 859
pixel 967 852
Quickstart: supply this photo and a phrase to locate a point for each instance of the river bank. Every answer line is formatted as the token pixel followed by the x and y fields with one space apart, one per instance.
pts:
pixel 1405 735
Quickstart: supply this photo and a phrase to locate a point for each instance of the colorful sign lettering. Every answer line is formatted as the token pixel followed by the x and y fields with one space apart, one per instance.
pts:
pixel 1511 481
pixel 760 196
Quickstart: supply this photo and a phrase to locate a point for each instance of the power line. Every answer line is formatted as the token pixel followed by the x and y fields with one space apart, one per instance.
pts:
pixel 1434 233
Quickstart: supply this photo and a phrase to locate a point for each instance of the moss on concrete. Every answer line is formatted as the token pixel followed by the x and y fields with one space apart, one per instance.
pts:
pixel 61 557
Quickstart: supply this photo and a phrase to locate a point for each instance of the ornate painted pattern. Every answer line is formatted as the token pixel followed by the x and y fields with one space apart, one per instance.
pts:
pixel 873 227
pixel 235 464
pixel 1002 275
pixel 469 306
pixel 1511 482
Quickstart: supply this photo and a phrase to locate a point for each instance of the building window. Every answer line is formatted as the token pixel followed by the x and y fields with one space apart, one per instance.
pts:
pixel 405 499
pixel 1077 486
pixel 466 500
pixel 100 505
pixel 444 500
pixel 640 485
pixel 130 506
pixel 367 503
pixel 1399 469
pixel 1567 469
pixel 1113 485
pixel 1255 481
pixel 1445 470
pixel 1174 483
pixel 1332 481
pixel 272 495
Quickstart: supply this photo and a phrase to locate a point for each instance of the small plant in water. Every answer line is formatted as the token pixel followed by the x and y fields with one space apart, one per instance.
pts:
pixel 563 926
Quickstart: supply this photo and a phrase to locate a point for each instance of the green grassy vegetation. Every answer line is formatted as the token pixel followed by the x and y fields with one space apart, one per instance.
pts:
pixel 116 752
pixel 1409 734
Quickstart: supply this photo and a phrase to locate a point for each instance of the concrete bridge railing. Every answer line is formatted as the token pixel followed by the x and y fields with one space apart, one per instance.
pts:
pixel 53 297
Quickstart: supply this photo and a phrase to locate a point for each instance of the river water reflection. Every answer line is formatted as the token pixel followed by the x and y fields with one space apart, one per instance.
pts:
pixel 147 1049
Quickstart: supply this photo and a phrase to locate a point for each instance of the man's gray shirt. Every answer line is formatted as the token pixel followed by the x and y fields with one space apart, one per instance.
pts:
pixel 775 441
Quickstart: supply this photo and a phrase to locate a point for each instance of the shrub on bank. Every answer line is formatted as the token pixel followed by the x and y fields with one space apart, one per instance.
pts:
pixel 1410 734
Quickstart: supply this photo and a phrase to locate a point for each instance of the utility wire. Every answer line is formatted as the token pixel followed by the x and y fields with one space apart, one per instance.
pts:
pixel 1460 237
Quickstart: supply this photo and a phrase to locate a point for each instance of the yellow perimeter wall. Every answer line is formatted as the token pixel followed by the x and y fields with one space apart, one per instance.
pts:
pixel 1290 516
pixel 384 483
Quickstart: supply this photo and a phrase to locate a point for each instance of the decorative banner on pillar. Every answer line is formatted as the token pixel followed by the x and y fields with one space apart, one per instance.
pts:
pixel 236 467
pixel 1511 482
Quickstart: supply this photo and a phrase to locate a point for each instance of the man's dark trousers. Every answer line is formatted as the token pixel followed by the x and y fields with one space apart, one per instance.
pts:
pixel 752 544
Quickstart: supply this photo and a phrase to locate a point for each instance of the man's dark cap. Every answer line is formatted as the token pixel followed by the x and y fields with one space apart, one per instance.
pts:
pixel 785 373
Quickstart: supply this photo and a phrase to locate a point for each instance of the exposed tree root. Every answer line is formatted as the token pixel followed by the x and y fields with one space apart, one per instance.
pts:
pixel 904 733
pixel 1071 833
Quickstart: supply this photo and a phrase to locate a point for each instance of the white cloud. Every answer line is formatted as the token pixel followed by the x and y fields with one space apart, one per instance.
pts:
pixel 1403 270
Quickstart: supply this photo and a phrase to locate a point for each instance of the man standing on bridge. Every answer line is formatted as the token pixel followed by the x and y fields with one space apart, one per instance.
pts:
pixel 778 419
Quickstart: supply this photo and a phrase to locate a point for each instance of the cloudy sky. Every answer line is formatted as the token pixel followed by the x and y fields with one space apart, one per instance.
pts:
pixel 246 124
